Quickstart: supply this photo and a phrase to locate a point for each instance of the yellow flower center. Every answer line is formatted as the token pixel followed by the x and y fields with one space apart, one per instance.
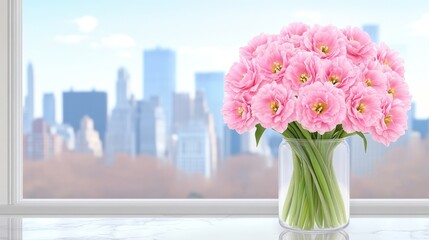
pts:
pixel 240 111
pixel 368 82
pixel 334 79
pixel 391 91
pixel 274 105
pixel 276 67
pixel 303 78
pixel 319 107
pixel 388 120
pixel 361 108
pixel 387 63
pixel 325 49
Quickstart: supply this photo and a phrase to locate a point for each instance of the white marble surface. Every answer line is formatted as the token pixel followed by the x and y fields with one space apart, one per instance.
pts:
pixel 207 228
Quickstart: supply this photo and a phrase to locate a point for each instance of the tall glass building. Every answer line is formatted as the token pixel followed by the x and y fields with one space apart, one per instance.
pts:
pixel 29 101
pixel 151 136
pixel 159 79
pixel 121 130
pixel 49 108
pixel 76 105
pixel 211 84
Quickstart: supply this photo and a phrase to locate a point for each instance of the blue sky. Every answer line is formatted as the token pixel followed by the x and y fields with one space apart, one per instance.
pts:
pixel 81 44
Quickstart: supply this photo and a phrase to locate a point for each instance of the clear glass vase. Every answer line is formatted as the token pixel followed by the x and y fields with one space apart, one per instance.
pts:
pixel 314 184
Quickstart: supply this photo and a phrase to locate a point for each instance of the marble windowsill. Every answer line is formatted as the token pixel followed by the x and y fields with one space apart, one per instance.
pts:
pixel 207 228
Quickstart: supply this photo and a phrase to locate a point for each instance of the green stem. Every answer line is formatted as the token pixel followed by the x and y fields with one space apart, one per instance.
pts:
pixel 312 154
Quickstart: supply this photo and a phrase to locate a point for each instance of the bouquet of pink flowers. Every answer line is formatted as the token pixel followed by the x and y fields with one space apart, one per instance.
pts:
pixel 329 80
pixel 318 82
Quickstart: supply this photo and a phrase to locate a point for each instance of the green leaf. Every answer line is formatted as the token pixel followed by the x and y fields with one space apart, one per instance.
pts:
pixel 365 143
pixel 328 135
pixel 258 134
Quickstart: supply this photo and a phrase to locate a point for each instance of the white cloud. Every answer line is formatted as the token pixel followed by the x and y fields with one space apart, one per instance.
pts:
pixel 86 24
pixel 124 54
pixel 95 45
pixel 208 51
pixel 69 39
pixel 420 27
pixel 210 58
pixel 118 41
pixel 307 15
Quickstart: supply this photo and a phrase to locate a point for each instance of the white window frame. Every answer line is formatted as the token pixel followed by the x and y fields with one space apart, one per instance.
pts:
pixel 12 203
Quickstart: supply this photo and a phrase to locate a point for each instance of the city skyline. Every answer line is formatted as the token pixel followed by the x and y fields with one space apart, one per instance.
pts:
pixel 136 127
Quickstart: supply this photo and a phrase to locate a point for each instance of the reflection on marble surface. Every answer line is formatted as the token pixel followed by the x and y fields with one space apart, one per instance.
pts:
pixel 292 235
pixel 207 228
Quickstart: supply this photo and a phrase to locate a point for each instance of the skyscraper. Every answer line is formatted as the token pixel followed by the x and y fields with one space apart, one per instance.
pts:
pixel 411 116
pixel 196 147
pixel 88 139
pixel 182 110
pixel 151 129
pixel 122 88
pixel 40 143
pixel 29 101
pixel 211 84
pixel 76 105
pixel 232 143
pixel 159 78
pixel 421 126
pixel 373 31
pixel 120 135
pixel 193 154
pixel 49 108
pixel 201 113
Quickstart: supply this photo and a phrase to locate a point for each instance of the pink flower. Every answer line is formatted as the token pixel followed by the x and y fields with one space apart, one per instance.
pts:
pixel 374 77
pixel 341 73
pixel 294 29
pixel 274 61
pixel 392 124
pixel 304 68
pixel 249 52
pixel 293 33
pixel 360 48
pixel 320 107
pixel 327 42
pixel 398 89
pixel 274 106
pixel 390 59
pixel 363 109
pixel 237 114
pixel 241 78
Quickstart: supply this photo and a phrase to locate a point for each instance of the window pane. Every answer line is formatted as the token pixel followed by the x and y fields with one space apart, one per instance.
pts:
pixel 122 99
